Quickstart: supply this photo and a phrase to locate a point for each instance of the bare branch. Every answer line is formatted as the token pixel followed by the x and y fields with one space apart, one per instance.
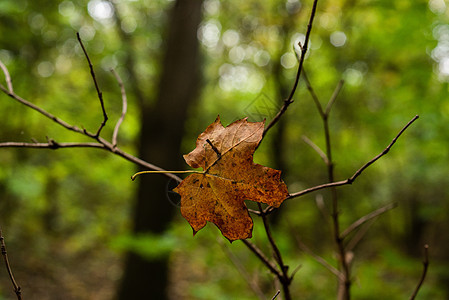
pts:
pixel 51 144
pixel 366 218
pixel 350 180
pixel 316 148
pixel 17 289
pixel 319 201
pixel 304 47
pixel 103 145
pixel 344 279
pixel 124 108
pixel 313 94
pixel 359 171
pixel 262 257
pixel 424 272
pixel 7 77
pixel 41 111
pixel 283 276
pixel 358 236
pixel 318 258
pixel 241 268
pixel 99 93
pixel 333 98
pixel 356 174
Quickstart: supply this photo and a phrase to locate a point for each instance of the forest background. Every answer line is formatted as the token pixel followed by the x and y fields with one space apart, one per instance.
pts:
pixel 77 227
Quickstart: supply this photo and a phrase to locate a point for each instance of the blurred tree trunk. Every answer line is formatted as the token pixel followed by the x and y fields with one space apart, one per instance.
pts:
pixel 160 139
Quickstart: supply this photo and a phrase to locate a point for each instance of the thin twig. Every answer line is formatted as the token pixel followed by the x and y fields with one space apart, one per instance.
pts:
pixel 345 271
pixel 124 108
pixel 366 218
pixel 316 148
pixel 358 236
pixel 242 270
pixel 319 201
pixel 295 270
pixel 304 48
pixel 50 145
pixel 318 258
pixel 312 93
pixel 351 179
pixel 102 143
pixel 284 278
pixel 7 77
pixel 356 174
pixel 40 110
pixel 276 295
pixel 17 289
pixel 333 98
pixel 99 93
pixel 262 257
pixel 277 253
pixel 424 272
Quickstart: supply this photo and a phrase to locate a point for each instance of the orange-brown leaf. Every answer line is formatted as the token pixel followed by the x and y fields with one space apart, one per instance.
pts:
pixel 230 177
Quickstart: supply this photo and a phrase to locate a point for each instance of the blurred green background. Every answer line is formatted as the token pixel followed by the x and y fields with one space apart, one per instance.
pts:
pixel 67 215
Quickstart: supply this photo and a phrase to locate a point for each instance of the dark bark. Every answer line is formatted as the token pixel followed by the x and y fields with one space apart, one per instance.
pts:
pixel 160 139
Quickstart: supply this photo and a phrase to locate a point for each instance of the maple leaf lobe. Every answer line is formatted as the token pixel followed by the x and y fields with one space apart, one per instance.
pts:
pixel 230 177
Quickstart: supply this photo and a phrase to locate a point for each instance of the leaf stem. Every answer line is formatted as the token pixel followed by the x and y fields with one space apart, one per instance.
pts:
pixel 165 172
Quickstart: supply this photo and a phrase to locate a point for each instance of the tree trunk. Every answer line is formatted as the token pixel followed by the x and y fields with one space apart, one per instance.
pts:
pixel 160 139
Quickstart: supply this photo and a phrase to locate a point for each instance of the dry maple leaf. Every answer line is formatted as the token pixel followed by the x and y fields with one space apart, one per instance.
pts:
pixel 230 176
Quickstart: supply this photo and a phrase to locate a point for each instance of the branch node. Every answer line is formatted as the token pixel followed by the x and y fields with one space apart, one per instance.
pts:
pixel 52 144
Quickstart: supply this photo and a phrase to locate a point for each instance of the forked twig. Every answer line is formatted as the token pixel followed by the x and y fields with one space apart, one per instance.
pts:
pixel 344 267
pixel 358 236
pixel 262 257
pixel 99 93
pixel 40 110
pixel 333 97
pixel 424 272
pixel 52 144
pixel 312 93
pixel 241 269
pixel 351 179
pixel 318 258
pixel 366 218
pixel 316 148
pixel 17 289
